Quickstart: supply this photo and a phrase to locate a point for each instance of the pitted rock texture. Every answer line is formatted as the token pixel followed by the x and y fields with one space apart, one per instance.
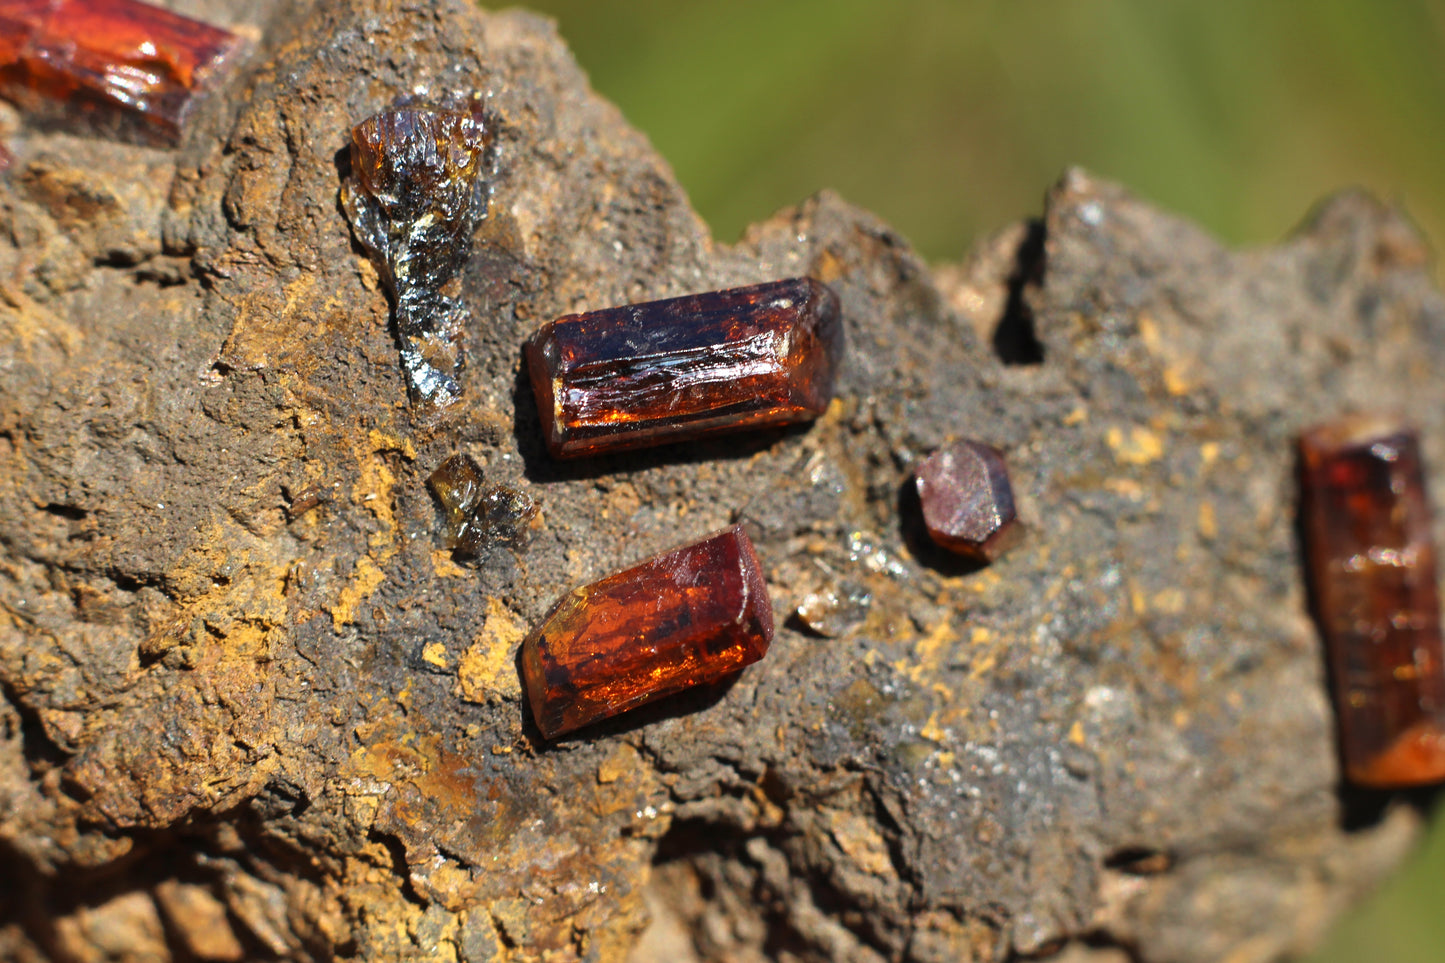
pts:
pixel 308 726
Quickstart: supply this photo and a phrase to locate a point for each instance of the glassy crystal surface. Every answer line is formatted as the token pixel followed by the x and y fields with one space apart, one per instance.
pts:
pixel 1371 562
pixel 417 191
pixel 673 370
pixel 119 66
pixel 687 617
pixel 477 517
pixel 968 503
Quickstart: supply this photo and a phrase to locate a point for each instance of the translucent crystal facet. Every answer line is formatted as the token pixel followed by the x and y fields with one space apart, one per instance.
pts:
pixel 1371 562
pixel 120 66
pixel 687 617
pixel 479 517
pixel 417 191
pixel 967 500
pixel 682 368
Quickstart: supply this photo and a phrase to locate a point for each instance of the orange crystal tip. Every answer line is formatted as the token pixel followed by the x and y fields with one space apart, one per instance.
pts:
pixel 1370 559
pixel 686 617
pixel 120 58
pixel 678 369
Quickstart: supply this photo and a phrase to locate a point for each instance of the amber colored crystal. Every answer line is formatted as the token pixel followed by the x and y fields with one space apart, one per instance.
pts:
pixel 1371 562
pixel 678 369
pixel 118 65
pixel 479 518
pixel 418 189
pixel 687 617
pixel 967 501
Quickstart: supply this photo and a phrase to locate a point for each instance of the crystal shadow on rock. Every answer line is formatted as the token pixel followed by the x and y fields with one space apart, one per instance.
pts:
pixel 419 185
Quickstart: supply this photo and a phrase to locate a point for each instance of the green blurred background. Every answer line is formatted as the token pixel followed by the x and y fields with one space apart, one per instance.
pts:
pixel 950 119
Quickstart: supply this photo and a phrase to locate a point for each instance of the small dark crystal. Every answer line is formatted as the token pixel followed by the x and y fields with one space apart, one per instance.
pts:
pixel 967 501
pixel 122 67
pixel 479 518
pixel 417 191
pixel 678 369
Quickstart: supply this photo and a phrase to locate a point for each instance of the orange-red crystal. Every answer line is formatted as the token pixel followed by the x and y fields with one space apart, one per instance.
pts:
pixel 687 617
pixel 678 369
pixel 108 62
pixel 1366 519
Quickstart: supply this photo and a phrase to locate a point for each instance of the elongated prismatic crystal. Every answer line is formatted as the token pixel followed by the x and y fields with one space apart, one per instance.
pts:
pixel 682 368
pixel 118 66
pixel 417 192
pixel 1366 519
pixel 687 617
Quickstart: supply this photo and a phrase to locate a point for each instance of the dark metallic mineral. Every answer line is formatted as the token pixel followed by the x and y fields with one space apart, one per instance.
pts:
pixel 119 66
pixel 1366 518
pixel 671 370
pixel 417 191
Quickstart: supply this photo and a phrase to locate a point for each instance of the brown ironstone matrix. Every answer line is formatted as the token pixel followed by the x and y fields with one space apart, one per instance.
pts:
pixel 120 66
pixel 673 370
pixel 686 617
pixel 1371 562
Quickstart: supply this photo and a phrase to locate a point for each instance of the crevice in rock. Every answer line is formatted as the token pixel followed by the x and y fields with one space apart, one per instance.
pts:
pixel 1015 339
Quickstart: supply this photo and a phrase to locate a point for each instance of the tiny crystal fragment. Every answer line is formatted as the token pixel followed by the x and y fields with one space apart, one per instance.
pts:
pixel 835 610
pixel 1371 562
pixel 119 66
pixel 417 192
pixel 687 617
pixel 479 518
pixel 968 503
pixel 678 369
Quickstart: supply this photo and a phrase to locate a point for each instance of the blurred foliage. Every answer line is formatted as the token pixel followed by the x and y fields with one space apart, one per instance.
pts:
pixel 949 119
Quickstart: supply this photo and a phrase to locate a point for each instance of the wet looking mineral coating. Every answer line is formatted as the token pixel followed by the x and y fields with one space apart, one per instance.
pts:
pixel 113 64
pixel 677 369
pixel 1366 520
pixel 687 617
pixel 479 518
pixel 417 192
pixel 967 501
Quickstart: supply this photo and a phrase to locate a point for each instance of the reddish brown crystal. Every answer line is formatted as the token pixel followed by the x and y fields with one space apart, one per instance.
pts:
pixel 684 618
pixel 119 65
pixel 1371 561
pixel 682 368
pixel 967 501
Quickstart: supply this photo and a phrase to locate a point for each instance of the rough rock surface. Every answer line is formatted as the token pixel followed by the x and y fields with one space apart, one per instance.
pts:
pixel 229 729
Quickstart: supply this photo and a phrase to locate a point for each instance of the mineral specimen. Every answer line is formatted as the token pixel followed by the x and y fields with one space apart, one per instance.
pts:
pixel 672 370
pixel 687 617
pixel 968 504
pixel 1371 563
pixel 478 518
pixel 119 66
pixel 417 191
